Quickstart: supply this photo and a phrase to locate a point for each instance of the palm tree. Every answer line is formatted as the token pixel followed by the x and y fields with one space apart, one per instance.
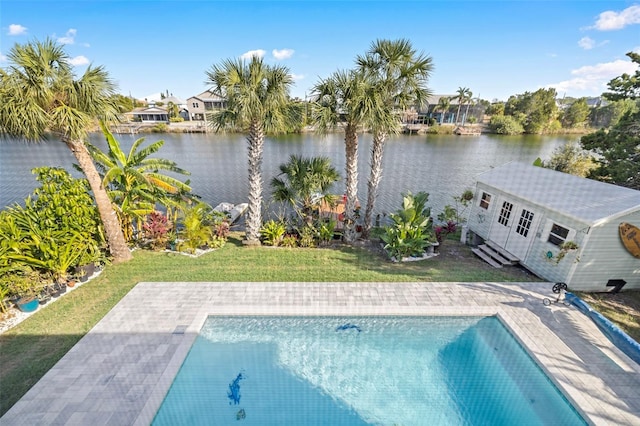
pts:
pixel 469 102
pixel 464 94
pixel 39 93
pixel 257 98
pixel 134 180
pixel 345 98
pixel 301 180
pixel 399 76
pixel 444 103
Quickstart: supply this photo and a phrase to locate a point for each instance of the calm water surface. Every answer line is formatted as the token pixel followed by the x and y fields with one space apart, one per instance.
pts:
pixel 443 166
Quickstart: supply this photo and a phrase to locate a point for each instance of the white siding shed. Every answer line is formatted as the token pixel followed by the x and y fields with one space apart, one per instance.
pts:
pixel 531 211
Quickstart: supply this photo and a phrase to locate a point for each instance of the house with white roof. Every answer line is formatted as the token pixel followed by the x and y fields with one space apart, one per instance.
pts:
pixel 561 227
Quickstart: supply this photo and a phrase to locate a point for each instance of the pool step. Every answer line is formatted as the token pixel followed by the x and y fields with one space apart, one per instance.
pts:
pixel 494 255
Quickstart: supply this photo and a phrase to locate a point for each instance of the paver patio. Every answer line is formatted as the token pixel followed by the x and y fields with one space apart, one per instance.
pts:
pixel 119 373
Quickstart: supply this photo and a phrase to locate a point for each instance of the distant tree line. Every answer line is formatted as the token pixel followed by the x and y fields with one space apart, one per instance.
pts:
pixel 611 154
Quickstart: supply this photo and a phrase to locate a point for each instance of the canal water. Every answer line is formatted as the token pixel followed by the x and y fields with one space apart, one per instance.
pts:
pixel 443 166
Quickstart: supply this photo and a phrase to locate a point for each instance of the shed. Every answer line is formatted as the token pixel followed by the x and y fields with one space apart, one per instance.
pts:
pixel 561 227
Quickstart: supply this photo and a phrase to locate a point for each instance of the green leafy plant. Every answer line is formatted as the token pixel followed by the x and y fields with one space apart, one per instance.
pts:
pixel 456 213
pixel 290 241
pixel 56 230
pixel 136 181
pixel 272 232
pixel 4 293
pixel 54 256
pixel 304 182
pixel 326 229
pixel 196 231
pixel 308 235
pixel 565 248
pixel 24 285
pixel 411 231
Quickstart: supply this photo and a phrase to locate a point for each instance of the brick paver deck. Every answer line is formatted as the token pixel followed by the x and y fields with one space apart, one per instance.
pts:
pixel 119 373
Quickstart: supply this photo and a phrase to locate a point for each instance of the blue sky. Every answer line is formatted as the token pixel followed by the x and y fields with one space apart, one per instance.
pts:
pixel 495 48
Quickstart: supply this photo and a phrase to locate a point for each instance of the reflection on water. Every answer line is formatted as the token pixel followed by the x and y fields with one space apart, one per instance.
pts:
pixel 443 166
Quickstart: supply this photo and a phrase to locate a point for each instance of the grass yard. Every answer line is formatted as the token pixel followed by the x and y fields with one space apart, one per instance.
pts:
pixel 31 348
pixel 622 308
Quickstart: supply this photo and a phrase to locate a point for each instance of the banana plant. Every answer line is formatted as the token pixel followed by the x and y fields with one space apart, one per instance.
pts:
pixel 410 232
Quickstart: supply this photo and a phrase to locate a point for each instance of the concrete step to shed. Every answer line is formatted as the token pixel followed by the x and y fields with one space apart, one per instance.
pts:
pixel 494 255
pixel 505 254
pixel 484 256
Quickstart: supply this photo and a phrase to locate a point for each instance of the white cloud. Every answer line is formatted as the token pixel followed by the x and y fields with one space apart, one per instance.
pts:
pixel 79 60
pixel 611 20
pixel 594 78
pixel 250 54
pixel 3 58
pixel 282 53
pixel 297 77
pixel 16 29
pixel 586 43
pixel 69 37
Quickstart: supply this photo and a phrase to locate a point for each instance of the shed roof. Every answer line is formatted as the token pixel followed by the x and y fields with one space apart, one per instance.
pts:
pixel 586 200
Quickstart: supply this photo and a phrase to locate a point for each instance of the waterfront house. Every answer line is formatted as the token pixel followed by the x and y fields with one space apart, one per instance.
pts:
pixel 202 103
pixel 150 114
pixel 561 227
pixel 172 100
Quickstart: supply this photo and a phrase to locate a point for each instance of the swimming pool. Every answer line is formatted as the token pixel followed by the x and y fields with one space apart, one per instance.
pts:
pixel 358 371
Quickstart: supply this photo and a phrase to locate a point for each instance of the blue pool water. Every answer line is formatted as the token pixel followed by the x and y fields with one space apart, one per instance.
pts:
pixel 361 371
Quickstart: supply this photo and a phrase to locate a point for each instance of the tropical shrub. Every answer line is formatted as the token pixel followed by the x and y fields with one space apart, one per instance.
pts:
pixel 441 231
pixel 221 229
pixel 4 293
pixel 272 232
pixel 411 231
pixel 505 125
pixel 326 230
pixel 196 231
pixel 308 235
pixel 289 240
pixel 304 182
pixel 443 129
pixel 62 203
pixel 55 231
pixel 26 284
pixel 156 229
pixel 160 128
pixel 456 213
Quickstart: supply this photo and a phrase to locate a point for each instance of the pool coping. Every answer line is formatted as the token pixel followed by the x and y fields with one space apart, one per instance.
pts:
pixel 120 372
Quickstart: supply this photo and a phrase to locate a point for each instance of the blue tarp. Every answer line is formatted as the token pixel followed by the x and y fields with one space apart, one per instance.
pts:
pixel 622 340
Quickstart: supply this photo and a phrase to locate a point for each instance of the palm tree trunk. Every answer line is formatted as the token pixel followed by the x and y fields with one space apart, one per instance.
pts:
pixel 115 238
pixel 254 212
pixel 466 113
pixel 351 152
pixel 458 115
pixel 377 150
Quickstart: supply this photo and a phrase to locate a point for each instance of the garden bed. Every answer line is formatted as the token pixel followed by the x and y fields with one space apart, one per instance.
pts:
pixel 15 316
